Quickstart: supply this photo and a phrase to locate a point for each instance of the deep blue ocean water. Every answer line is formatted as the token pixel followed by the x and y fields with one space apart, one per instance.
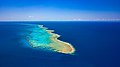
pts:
pixel 97 44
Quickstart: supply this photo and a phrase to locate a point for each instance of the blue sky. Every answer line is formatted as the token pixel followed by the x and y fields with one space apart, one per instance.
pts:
pixel 59 9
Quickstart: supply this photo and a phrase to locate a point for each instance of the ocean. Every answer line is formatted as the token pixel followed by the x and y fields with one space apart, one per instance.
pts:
pixel 97 44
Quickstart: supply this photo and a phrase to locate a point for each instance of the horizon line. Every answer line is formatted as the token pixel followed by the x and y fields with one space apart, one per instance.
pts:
pixel 56 20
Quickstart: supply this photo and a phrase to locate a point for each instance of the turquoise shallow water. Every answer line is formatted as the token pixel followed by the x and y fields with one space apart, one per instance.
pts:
pixel 97 45
pixel 38 34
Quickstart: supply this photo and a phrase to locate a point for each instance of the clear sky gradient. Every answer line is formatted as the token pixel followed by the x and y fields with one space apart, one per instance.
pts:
pixel 59 10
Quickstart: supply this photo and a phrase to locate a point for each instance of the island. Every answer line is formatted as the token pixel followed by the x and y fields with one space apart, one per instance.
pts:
pixel 40 37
